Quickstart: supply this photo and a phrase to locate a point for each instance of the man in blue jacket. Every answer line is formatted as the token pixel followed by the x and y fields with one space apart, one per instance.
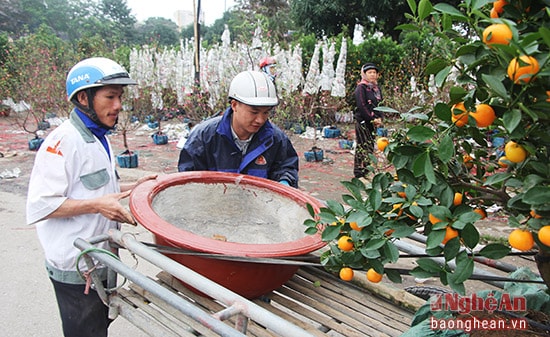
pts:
pixel 243 140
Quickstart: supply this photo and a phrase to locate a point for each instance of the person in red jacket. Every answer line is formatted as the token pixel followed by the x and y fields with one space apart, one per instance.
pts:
pixel 367 97
pixel 268 65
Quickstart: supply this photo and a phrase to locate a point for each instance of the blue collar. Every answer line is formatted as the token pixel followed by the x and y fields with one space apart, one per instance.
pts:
pixel 98 131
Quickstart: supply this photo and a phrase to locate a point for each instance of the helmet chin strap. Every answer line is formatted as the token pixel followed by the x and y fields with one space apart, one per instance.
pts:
pixel 89 110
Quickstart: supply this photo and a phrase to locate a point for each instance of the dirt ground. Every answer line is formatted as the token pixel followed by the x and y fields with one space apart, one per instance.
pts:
pixel 319 179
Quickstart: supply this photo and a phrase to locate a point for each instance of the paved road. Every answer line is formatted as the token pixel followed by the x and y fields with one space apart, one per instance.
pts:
pixel 27 302
pixel 28 306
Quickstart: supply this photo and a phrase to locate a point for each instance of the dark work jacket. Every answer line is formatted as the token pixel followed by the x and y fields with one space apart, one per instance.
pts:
pixel 367 97
pixel 210 147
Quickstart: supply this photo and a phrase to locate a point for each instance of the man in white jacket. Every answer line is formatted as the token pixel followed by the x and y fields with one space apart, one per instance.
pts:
pixel 74 191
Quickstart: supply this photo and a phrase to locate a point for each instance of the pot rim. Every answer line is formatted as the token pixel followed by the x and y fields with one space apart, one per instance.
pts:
pixel 141 207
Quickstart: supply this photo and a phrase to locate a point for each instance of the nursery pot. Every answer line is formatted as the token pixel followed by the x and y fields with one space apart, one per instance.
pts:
pixel 44 125
pixel 230 214
pixel 34 144
pixel 315 154
pixel 160 139
pixel 127 159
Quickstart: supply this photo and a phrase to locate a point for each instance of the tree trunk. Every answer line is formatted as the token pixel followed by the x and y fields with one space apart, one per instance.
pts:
pixel 543 264
pixel 124 141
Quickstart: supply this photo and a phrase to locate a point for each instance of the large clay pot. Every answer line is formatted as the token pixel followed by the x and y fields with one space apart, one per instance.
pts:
pixel 255 197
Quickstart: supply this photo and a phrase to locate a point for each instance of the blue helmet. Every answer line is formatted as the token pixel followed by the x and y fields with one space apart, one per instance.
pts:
pixel 96 72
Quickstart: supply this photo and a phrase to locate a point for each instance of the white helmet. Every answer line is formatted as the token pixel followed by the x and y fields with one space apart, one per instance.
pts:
pixel 253 88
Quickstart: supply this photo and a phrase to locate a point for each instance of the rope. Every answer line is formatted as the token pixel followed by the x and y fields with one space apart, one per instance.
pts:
pixel 86 276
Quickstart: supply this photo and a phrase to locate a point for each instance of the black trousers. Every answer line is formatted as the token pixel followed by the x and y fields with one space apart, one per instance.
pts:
pixel 364 139
pixel 81 315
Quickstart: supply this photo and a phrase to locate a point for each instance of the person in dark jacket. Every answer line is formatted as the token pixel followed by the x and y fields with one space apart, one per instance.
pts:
pixel 367 96
pixel 243 140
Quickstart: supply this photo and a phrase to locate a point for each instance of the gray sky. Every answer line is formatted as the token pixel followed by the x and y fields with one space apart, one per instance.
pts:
pixel 212 9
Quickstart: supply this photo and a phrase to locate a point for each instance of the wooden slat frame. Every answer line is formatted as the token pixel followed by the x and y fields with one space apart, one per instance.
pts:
pixel 312 299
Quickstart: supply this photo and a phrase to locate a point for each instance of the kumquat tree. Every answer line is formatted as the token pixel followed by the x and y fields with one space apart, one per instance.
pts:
pixel 446 166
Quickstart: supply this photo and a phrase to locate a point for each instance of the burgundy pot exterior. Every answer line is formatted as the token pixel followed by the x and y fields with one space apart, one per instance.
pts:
pixel 247 279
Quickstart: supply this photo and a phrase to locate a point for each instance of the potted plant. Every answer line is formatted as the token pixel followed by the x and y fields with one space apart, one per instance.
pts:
pixel 127 122
pixel 32 122
pixel 159 138
pixel 168 98
pixel 442 184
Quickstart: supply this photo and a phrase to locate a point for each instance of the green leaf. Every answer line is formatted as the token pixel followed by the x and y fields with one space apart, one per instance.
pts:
pixel 375 199
pixel 416 211
pixel 470 236
pixel 429 171
pixel 330 233
pixel 511 119
pixel 448 9
pixel 362 218
pixel 393 275
pixel 441 76
pixel 402 231
pixel 545 34
pixel 419 116
pixel 374 244
pixel 434 251
pixel 446 149
pixel 386 109
pixel 419 164
pixel 442 111
pixel 497 178
pixel 421 273
pixel 452 247
pixel 407 27
pixel 458 287
pixel 353 188
pixel 457 94
pixel 435 66
pixel 412 5
pixel 310 210
pixel 429 265
pixel 336 207
pixel 311 231
pixel 468 217
pixel 310 223
pixel 447 22
pixel 494 251
pixel 407 150
pixel 420 133
pixel 423 166
pixel 537 195
pixel 424 9
pixel 464 269
pixel 326 216
pixel 468 49
pixel 376 264
pixel 390 251
pixel 435 238
pixel 495 84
